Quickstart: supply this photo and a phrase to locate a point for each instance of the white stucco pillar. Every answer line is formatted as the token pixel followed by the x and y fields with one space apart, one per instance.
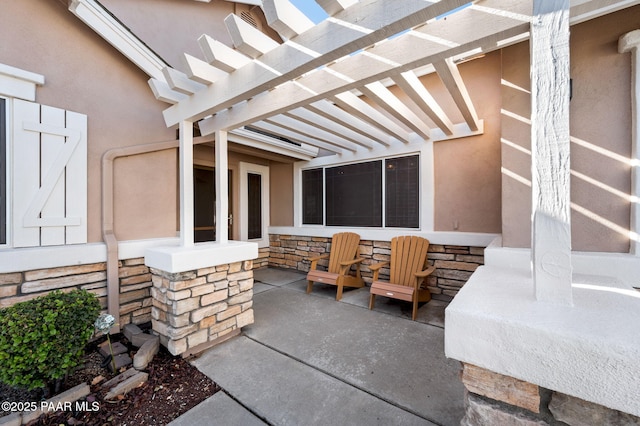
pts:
pixel 186 183
pixel 222 186
pixel 630 43
pixel 550 143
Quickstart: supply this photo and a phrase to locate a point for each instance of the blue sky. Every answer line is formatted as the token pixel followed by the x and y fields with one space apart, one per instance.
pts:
pixel 311 9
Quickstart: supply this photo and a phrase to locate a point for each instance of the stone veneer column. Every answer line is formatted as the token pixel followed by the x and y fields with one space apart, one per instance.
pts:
pixel 197 309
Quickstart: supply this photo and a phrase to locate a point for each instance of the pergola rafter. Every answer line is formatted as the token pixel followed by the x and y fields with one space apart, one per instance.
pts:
pixel 327 85
pixel 356 27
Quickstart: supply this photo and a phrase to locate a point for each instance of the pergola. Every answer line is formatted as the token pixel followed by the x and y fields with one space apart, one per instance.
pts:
pixel 328 86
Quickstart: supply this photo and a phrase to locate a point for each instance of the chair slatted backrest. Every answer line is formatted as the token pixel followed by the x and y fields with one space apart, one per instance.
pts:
pixel 344 246
pixel 408 256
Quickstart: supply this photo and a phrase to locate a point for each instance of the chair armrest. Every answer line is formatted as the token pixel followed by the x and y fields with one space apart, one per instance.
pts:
pixel 426 272
pixel 314 260
pixel 345 266
pixel 351 262
pixel 377 266
pixel 376 269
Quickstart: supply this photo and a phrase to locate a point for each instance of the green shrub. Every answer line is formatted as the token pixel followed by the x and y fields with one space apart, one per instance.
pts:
pixel 44 338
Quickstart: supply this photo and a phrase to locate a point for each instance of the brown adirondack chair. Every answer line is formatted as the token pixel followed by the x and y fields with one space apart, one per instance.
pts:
pixel 343 255
pixel 409 268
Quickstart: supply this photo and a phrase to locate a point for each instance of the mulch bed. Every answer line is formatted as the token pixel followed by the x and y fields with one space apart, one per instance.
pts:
pixel 174 386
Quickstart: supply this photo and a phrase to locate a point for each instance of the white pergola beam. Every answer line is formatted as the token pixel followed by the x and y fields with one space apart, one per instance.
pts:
pixel 403 53
pixel 201 71
pixel 333 113
pixel 415 90
pixel 163 92
pixel 331 126
pixel 395 107
pixel 294 136
pixel 329 40
pixel 356 106
pixel 450 76
pixel 220 55
pixel 247 39
pixel 334 6
pixel 285 18
pixel 550 152
pixel 179 81
pixel 306 129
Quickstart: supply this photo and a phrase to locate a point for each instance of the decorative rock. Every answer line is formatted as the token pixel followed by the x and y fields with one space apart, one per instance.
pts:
pixel 501 388
pixel 574 411
pixel 14 419
pixel 124 387
pixel 118 379
pixel 145 354
pixel 140 339
pixel 131 330
pixel 117 348
pixel 480 412
pixel 121 360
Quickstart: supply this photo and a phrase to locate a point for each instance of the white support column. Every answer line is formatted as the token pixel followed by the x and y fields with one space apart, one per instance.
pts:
pixel 630 43
pixel 551 215
pixel 186 183
pixel 222 187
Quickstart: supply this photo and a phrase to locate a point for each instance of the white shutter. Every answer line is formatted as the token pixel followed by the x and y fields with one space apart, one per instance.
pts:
pixel 49 147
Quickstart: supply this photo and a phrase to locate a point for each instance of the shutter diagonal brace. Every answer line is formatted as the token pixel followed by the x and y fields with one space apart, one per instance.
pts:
pixel 31 216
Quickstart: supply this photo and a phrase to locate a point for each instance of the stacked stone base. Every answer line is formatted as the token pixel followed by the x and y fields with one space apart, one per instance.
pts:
pixel 194 310
pixel 495 399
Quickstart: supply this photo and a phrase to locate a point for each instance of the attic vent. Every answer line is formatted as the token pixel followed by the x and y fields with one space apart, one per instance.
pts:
pixel 248 18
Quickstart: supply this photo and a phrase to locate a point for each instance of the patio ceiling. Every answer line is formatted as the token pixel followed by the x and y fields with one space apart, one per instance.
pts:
pixel 330 85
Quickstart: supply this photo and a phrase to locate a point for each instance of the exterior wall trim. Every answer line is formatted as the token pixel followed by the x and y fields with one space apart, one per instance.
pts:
pixel 92 14
pixel 29 258
pixel 18 83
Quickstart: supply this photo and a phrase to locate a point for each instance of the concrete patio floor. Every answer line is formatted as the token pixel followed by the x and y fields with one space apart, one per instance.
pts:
pixel 310 360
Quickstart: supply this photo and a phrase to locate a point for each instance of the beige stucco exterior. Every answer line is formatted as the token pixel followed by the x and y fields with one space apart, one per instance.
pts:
pixel 467 170
pixel 600 131
pixel 471 194
pixel 84 73
pixel 116 97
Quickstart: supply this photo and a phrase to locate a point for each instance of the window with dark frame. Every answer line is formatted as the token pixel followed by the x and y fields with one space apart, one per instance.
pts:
pixel 254 219
pixel 353 194
pixel 312 196
pixel 402 192
pixel 3 171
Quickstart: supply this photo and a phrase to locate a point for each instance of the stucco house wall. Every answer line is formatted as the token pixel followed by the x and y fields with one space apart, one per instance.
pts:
pixel 83 73
pixel 600 131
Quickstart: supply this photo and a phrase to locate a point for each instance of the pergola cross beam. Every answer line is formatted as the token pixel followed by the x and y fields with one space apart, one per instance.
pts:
pixel 356 27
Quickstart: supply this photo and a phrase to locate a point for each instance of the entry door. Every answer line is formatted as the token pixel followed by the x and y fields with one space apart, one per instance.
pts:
pixel 254 203
pixel 204 204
